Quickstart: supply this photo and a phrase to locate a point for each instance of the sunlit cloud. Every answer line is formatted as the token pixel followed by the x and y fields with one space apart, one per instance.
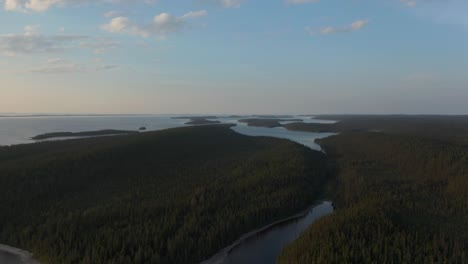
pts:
pixel 162 25
pixel 355 26
pixel 409 3
pixel 296 2
pixel 43 5
pixel 442 11
pixel 32 41
pixel 225 3
pixel 63 66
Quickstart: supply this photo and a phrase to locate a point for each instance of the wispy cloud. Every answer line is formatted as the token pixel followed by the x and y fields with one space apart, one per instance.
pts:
pixel 63 66
pixel 43 5
pixel 162 25
pixel 33 41
pixel 112 13
pixel 355 26
pixel 225 3
pixel 296 2
pixel 441 11
pixel 409 3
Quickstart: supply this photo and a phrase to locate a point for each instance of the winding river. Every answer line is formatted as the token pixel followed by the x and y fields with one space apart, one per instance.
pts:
pixel 265 245
pixel 259 246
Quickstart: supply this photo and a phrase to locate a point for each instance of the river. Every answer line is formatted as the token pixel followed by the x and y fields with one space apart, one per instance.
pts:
pixel 255 247
pixel 265 245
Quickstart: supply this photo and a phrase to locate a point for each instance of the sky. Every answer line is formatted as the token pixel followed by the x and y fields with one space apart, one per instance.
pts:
pixel 234 56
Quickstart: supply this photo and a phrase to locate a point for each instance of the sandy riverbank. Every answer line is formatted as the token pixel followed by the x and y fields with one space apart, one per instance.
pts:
pixel 25 256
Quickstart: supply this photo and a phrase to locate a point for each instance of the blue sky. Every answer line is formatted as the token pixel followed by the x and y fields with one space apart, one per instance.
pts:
pixel 233 56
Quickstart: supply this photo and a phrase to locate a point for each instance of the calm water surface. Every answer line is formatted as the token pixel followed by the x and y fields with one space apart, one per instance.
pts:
pixel 19 130
pixel 262 248
pixel 265 247
pixel 304 138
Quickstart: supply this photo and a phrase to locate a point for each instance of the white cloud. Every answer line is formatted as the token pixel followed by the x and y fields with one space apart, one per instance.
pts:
pixel 99 44
pixel 162 25
pixel 452 12
pixel 60 66
pixel 43 5
pixel 225 3
pixel 231 3
pixel 355 26
pixel 33 41
pixel 112 13
pixel 410 3
pixel 296 2
pixel 194 14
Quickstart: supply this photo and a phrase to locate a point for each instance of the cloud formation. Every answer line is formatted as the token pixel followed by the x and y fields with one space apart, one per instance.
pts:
pixel 225 3
pixel 112 13
pixel 43 5
pixel 410 3
pixel 61 66
pixel 162 25
pixel 296 2
pixel 32 41
pixel 355 26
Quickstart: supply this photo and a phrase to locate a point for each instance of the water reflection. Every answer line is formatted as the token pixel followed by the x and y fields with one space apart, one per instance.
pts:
pixel 265 247
pixel 304 138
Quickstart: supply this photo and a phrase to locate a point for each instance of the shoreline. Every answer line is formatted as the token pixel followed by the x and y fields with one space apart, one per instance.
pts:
pixel 25 256
pixel 221 255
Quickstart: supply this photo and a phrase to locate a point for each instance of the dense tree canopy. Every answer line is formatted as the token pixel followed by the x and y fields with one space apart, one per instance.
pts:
pixel 401 199
pixel 173 196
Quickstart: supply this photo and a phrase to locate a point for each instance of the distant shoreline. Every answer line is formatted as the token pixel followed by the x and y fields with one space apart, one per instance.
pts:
pixel 74 115
pixel 25 256
pixel 106 132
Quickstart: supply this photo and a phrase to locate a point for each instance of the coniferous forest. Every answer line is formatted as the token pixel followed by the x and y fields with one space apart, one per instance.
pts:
pixel 172 196
pixel 400 198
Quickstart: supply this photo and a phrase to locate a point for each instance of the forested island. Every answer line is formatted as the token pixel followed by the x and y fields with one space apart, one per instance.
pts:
pixel 267 121
pixel 199 120
pixel 172 196
pixel 446 128
pixel 202 121
pixel 106 132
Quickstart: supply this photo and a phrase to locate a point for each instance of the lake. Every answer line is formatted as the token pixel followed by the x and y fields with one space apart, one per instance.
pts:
pixel 20 130
pixel 261 248
pixel 304 138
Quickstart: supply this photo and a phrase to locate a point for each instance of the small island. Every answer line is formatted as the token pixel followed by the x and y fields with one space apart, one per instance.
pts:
pixel 106 132
pixel 202 121
pixel 199 120
pixel 195 117
pixel 267 122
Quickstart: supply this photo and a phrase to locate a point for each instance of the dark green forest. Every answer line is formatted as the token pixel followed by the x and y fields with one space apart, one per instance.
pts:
pixel 172 196
pixel 401 198
pixel 440 127
pixel 83 134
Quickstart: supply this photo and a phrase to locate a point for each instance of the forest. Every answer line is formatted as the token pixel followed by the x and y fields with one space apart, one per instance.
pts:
pixel 171 196
pixel 441 127
pixel 400 198
pixel 267 122
pixel 105 132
